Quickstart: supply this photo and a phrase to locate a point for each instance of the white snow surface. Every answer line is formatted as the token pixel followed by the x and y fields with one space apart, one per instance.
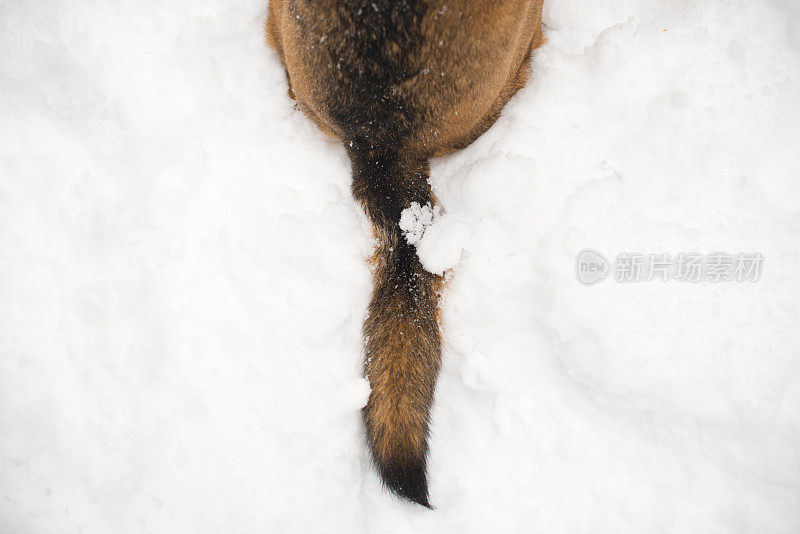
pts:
pixel 183 280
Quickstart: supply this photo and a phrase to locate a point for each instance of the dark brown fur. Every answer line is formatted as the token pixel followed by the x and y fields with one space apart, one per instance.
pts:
pixel 400 81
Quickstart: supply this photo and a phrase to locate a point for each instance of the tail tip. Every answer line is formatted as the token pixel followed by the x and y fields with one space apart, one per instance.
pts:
pixel 408 481
pixel 420 498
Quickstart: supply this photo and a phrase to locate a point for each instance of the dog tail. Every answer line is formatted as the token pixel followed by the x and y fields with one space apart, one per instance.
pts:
pixel 401 330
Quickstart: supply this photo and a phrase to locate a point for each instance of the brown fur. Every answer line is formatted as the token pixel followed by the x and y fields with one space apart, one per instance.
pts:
pixel 400 81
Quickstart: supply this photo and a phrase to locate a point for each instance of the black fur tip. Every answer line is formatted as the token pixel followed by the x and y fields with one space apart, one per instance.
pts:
pixel 408 481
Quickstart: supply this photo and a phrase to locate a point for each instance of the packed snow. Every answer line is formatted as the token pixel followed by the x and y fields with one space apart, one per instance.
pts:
pixel 439 238
pixel 183 281
pixel 441 246
pixel 415 219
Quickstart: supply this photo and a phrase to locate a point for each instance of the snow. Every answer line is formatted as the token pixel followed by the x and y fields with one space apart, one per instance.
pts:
pixel 416 218
pixel 439 238
pixel 183 280
pixel 441 246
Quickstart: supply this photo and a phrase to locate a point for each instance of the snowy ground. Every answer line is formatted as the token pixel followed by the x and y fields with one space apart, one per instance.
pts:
pixel 182 282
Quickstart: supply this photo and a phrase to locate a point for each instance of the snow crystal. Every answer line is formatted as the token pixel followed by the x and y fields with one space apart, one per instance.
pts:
pixel 415 219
